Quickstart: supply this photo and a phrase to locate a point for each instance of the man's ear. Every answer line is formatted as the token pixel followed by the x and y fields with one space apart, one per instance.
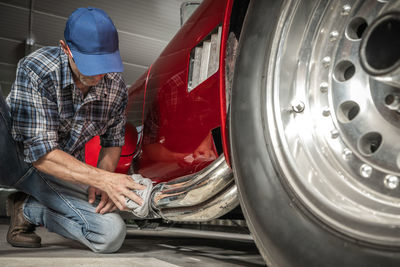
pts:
pixel 65 48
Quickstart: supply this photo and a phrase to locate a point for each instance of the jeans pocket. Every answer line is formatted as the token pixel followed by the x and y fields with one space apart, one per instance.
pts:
pixel 20 183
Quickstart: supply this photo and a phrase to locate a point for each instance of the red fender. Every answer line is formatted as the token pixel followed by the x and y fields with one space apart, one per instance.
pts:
pixel 93 147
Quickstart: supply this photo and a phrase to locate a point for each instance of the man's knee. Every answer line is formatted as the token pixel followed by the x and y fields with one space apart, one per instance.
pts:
pixel 114 232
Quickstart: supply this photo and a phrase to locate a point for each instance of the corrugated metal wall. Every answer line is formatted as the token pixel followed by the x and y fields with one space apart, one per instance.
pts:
pixel 145 27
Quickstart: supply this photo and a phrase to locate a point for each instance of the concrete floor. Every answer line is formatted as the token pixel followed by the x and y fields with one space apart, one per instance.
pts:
pixel 165 247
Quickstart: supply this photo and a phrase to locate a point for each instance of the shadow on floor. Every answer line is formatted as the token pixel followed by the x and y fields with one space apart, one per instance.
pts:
pixel 141 248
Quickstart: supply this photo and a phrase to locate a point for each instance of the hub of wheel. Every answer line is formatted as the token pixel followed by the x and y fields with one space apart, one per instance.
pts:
pixel 335 118
pixel 379 50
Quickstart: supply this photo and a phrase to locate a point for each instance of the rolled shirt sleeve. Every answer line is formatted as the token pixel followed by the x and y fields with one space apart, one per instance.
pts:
pixel 35 115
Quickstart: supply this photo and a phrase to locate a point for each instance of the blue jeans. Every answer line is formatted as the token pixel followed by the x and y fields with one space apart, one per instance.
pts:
pixel 59 206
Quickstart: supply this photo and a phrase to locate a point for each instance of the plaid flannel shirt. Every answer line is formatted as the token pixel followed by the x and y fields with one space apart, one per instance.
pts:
pixel 50 112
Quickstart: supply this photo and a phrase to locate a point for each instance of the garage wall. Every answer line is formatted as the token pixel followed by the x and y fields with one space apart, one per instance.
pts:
pixel 145 27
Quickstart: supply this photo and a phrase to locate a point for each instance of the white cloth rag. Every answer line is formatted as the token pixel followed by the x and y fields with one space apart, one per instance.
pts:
pixel 141 211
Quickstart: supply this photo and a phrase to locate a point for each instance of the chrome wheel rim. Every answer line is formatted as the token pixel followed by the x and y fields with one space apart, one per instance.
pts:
pixel 334 134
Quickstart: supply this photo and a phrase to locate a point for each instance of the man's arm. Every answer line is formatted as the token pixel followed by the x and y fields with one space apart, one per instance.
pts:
pixel 64 166
pixel 108 160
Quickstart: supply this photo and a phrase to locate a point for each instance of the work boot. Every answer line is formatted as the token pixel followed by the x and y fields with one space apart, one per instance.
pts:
pixel 21 233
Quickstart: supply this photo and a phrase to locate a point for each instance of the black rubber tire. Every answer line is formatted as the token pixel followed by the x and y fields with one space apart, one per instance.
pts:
pixel 285 233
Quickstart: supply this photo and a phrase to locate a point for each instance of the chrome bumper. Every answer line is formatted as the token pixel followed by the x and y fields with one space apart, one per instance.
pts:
pixel 202 196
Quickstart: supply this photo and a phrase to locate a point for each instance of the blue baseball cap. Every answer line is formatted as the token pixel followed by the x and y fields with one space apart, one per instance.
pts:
pixel 93 41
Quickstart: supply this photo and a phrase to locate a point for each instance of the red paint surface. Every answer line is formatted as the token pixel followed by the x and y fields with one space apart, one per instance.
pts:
pixel 177 124
pixel 93 147
pixel 224 132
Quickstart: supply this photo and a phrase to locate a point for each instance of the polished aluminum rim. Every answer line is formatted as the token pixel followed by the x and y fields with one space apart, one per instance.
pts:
pixel 335 137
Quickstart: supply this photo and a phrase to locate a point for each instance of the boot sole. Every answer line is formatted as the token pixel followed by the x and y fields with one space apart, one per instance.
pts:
pixel 10 213
pixel 24 245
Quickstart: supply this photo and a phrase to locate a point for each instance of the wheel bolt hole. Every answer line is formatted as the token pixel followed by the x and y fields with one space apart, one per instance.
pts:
pixel 374 146
pixel 389 99
pixel 344 70
pixel 356 28
pixel 393 102
pixel 349 72
pixel 353 112
pixel 370 143
pixel 361 29
pixel 348 111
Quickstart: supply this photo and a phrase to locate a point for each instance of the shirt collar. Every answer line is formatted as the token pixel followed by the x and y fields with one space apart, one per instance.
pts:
pixel 95 93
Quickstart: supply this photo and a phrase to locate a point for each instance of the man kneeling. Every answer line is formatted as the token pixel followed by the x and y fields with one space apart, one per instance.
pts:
pixel 62 97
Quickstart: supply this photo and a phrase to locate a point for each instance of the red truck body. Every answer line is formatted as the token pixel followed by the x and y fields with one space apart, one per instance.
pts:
pixel 175 125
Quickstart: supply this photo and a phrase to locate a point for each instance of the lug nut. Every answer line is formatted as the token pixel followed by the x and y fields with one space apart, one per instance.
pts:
pixel 326 61
pixel 333 36
pixel 365 170
pixel 346 10
pixel 298 106
pixel 323 87
pixel 334 134
pixel 391 181
pixel 326 112
pixel 347 153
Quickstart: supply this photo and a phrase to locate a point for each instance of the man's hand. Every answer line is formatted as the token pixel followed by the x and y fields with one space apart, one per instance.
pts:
pixel 105 205
pixel 118 186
